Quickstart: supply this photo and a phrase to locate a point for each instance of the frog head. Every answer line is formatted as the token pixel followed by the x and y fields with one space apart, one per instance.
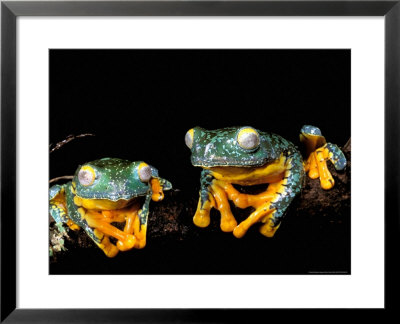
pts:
pixel 113 183
pixel 230 146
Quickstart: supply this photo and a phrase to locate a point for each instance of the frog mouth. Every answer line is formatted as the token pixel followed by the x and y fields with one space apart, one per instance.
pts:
pixel 104 204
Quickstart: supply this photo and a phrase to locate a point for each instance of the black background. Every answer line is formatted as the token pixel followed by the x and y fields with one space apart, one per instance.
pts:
pixel 140 104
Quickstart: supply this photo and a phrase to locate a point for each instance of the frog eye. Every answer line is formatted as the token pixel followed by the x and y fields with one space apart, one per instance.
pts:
pixel 144 172
pixel 248 138
pixel 189 138
pixel 86 175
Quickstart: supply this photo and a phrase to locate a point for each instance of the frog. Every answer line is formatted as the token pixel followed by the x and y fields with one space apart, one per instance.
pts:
pixel 233 157
pixel 106 191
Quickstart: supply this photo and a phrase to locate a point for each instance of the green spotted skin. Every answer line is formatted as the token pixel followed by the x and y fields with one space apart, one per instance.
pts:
pixel 220 148
pixel 59 214
pixel 338 159
pixel 115 179
pixel 206 180
pixel 293 187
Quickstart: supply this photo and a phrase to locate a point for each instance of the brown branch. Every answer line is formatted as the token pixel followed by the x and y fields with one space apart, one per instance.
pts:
pixel 67 140
pixel 171 219
pixel 61 178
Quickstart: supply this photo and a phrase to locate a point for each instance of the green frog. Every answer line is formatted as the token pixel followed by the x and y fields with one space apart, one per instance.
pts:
pixel 106 191
pixel 246 156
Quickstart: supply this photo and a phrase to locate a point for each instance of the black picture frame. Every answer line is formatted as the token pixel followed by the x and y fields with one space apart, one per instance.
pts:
pixel 10 10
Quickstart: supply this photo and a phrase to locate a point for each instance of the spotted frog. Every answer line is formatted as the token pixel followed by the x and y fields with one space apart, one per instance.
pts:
pixel 106 191
pixel 246 156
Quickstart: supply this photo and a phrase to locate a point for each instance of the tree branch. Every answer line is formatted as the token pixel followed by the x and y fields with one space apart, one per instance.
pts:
pixel 172 218
pixel 67 140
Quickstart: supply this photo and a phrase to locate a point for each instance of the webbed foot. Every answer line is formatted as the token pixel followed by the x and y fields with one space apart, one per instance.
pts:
pixel 254 217
pixel 269 228
pixel 105 245
pixel 202 216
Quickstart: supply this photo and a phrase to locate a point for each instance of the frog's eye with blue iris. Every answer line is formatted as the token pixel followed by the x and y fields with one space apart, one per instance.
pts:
pixel 189 138
pixel 86 175
pixel 248 138
pixel 144 172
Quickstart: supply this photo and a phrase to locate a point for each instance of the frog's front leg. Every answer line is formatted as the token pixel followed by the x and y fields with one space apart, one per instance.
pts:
pixel 206 201
pixel 213 196
pixel 270 212
pixel 139 224
pixel 319 152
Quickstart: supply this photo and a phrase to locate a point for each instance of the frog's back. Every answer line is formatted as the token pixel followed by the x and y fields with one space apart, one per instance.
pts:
pixel 279 144
pixel 112 163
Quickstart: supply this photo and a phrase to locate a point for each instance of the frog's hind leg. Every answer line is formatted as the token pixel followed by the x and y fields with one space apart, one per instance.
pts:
pixel 283 192
pixel 97 235
pixel 133 226
pixel 139 224
pixel 228 221
pixel 127 240
pixel 128 215
pixel 105 244
pixel 256 216
pixel 264 210
pixel 319 152
pixel 58 209
pixel 242 200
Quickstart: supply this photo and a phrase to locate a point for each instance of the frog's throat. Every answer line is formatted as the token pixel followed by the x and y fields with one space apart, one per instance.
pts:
pixel 102 204
pixel 247 176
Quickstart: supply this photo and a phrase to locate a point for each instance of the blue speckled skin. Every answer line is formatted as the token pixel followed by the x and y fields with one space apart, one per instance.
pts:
pixel 115 179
